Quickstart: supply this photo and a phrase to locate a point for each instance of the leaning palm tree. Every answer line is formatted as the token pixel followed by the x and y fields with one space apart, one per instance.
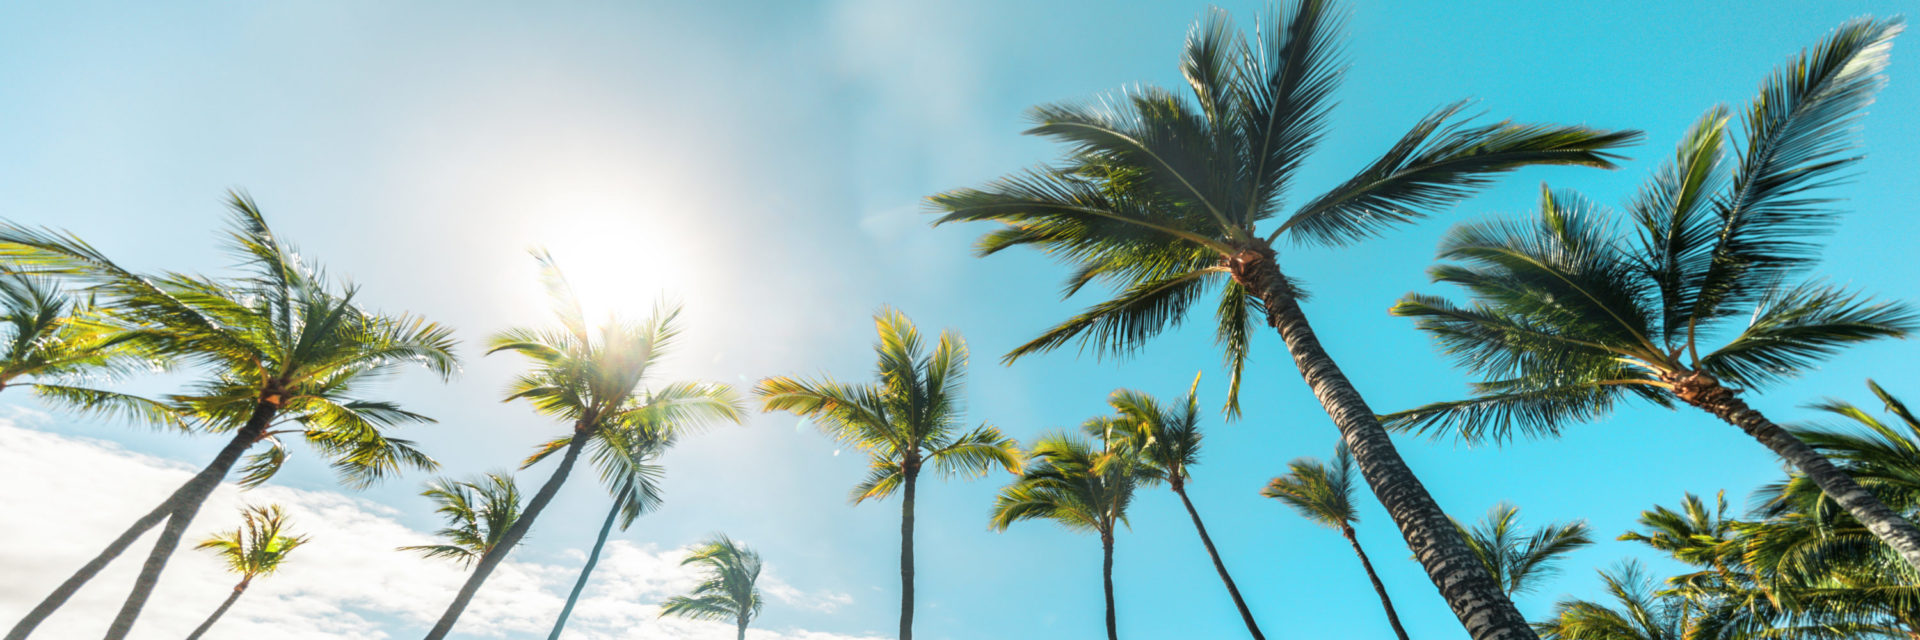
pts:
pixel 54 343
pixel 1521 559
pixel 1571 317
pixel 596 385
pixel 907 420
pixel 1166 199
pixel 1324 494
pixel 478 513
pixel 286 350
pixel 1083 488
pixel 255 549
pixel 728 594
pixel 1641 612
pixel 627 458
pixel 1168 440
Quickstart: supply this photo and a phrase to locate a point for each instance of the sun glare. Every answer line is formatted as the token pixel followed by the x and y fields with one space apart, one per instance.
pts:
pixel 624 260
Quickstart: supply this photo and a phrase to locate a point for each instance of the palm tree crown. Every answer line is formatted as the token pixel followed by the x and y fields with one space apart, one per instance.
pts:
pixel 1642 612
pixel 478 514
pixel 728 593
pixel 53 343
pixel 1521 559
pixel 1319 492
pixel 259 546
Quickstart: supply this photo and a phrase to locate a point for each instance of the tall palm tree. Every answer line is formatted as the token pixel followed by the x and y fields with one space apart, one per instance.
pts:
pixel 1641 613
pixel 478 513
pixel 597 386
pixel 1167 439
pixel 1519 559
pixel 728 594
pixel 906 420
pixel 255 549
pixel 1324 494
pixel 627 459
pixel 1570 317
pixel 1165 199
pixel 1083 488
pixel 53 343
pixel 285 348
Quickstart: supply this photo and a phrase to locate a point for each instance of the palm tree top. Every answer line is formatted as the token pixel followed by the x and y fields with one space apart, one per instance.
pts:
pixel 728 592
pixel 260 546
pixel 1519 559
pixel 1163 197
pixel 478 513
pixel 1167 438
pixel 1320 492
pixel 1071 481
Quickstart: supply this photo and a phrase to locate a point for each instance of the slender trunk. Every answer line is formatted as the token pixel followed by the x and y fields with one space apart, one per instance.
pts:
pixel 1392 617
pixel 912 472
pixel 743 628
pixel 66 589
pixel 186 504
pixel 224 606
pixel 1106 577
pixel 1219 566
pixel 593 558
pixel 1476 599
pixel 1703 391
pixel 512 537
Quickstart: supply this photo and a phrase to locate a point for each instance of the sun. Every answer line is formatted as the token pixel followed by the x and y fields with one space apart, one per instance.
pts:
pixel 625 257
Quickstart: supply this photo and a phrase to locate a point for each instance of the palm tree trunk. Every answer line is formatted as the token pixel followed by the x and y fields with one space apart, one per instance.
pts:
pixel 743 628
pixel 593 558
pixel 1476 599
pixel 906 552
pixel 93 567
pixel 1703 391
pixel 1106 577
pixel 512 537
pixel 1217 564
pixel 186 504
pixel 224 606
pixel 1392 617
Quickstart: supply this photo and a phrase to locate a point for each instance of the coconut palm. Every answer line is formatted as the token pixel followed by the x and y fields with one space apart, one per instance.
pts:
pixel 1167 199
pixel 1167 440
pixel 1570 317
pixel 54 343
pixel 728 594
pixel 1324 494
pixel 597 386
pixel 286 351
pixel 255 549
pixel 627 458
pixel 1640 612
pixel 1082 486
pixel 478 513
pixel 1881 455
pixel 906 420
pixel 1520 559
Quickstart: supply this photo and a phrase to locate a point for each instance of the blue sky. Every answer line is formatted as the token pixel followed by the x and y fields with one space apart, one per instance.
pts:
pixel 764 165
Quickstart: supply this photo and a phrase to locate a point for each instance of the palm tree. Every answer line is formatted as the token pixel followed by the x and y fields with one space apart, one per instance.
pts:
pixel 1570 318
pixel 597 386
pixel 478 514
pixel 627 460
pixel 728 594
pixel 907 420
pixel 1168 440
pixel 1163 199
pixel 1641 614
pixel 286 350
pixel 1519 560
pixel 1324 494
pixel 1083 488
pixel 53 342
pixel 255 549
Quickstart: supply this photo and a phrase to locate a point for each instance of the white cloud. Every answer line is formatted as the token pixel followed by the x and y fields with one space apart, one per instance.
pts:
pixel 74 495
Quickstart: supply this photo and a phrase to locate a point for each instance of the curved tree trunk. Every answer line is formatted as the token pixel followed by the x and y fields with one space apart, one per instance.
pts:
pixel 1106 576
pixel 1219 566
pixel 1392 617
pixel 186 504
pixel 593 558
pixel 224 606
pixel 1476 599
pixel 1703 391
pixel 93 567
pixel 906 552
pixel 508 540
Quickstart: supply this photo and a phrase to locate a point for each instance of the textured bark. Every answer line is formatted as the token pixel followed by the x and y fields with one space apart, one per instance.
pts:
pixel 514 533
pixel 1473 595
pixel 912 471
pixel 593 558
pixel 186 504
pixel 1106 576
pixel 1393 618
pixel 1705 392
pixel 93 567
pixel 1232 590
pixel 224 606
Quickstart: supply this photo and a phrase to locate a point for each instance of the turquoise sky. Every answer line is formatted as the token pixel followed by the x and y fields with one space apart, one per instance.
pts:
pixel 765 164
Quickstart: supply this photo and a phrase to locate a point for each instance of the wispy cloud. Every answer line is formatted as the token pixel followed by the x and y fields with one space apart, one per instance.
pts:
pixel 349 582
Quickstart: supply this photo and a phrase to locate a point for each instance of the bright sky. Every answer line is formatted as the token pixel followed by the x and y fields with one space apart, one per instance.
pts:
pixel 765 165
